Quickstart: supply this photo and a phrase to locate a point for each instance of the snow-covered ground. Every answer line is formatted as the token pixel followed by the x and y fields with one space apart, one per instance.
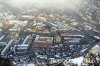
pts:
pixel 28 65
pixel 78 60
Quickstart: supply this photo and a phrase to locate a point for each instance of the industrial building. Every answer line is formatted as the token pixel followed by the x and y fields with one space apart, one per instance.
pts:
pixel 43 41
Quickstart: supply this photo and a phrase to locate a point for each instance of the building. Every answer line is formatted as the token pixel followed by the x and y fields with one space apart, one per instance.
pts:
pixel 43 40
pixel 71 38
pixel 6 49
pixel 24 45
pixel 26 17
pixel 57 39
pixel 53 29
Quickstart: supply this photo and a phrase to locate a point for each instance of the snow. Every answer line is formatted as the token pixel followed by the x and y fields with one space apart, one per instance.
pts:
pixel 28 65
pixel 97 37
pixel 78 60
pixel 84 50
